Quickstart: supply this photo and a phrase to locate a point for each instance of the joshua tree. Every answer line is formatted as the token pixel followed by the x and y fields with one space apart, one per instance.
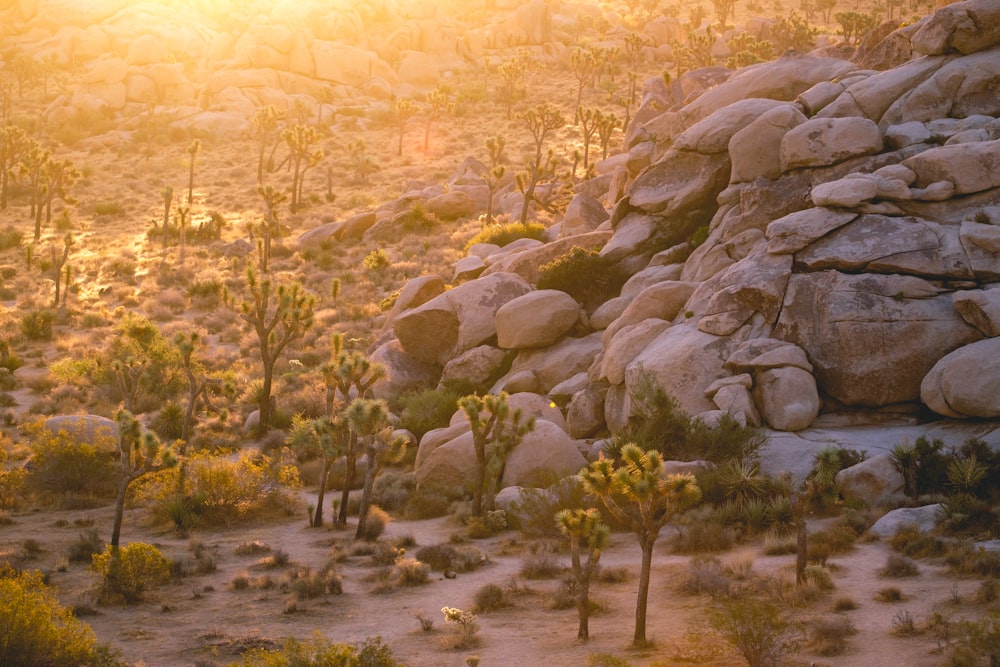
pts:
pixel 327 436
pixel 348 374
pixel 584 65
pixel 300 139
pixel 58 262
pixel 496 431
pixel 512 86
pixel 278 317
pixel 272 198
pixel 265 129
pixel 58 176
pixel 589 122
pixel 402 111
pixel 438 107
pixel 637 496
pixel 14 143
pixel 198 385
pixel 168 197
pixel 634 45
pixel 586 533
pixel 606 127
pixel 495 173
pixel 139 454
pixel 540 121
pixel 192 153
pixel 369 420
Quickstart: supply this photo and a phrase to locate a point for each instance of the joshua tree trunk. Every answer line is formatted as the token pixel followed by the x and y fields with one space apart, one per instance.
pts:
pixel 640 607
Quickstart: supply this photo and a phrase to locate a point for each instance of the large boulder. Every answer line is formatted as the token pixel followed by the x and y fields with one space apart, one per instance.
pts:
pixel 924 519
pixel 626 344
pixel 528 262
pixel 544 456
pixel 584 213
pixel 786 398
pixel 755 150
pixel 980 308
pixel 820 142
pixel 966 382
pixel 89 429
pixel 871 338
pixel 478 366
pixel 450 468
pixel 458 320
pixel 536 319
pixel 559 362
pixel 971 167
pixel 403 371
pixel 872 480
pixel 965 27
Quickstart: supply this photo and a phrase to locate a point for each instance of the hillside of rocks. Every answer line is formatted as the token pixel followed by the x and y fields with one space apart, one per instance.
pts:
pixel 849 272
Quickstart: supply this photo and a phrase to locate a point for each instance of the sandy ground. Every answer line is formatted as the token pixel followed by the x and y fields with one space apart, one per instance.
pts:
pixel 200 620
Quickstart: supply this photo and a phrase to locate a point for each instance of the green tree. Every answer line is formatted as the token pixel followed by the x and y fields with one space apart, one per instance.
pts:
pixel 496 431
pixel 369 419
pixel 300 139
pixel 637 496
pixel 279 316
pixel 139 454
pixel 587 534
pixel 512 82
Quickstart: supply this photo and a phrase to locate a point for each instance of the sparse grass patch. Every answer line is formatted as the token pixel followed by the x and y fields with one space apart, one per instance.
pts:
pixel 540 563
pixel 490 597
pixel 844 603
pixel 903 624
pixel 828 636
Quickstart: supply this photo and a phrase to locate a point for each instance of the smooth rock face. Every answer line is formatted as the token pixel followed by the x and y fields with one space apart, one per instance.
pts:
pixel 966 382
pixel 403 371
pixel 545 455
pixel 824 141
pixel 965 27
pixel 871 338
pixel 924 518
pixel 84 428
pixel 457 320
pixel 559 362
pixel 477 365
pixel 871 480
pixel 585 413
pixel 980 308
pixel 971 167
pixel 787 398
pixel 755 150
pixel 536 319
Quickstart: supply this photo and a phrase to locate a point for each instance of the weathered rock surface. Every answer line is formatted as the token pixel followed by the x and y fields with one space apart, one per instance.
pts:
pixel 872 480
pixel 965 382
pixel 923 518
pixel 537 319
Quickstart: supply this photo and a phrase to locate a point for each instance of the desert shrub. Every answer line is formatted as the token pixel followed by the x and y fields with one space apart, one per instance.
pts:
pixel 410 572
pixel 828 636
pixel 36 324
pixel 376 260
pixel 120 268
pixel 306 584
pixel 755 629
pixel 903 624
pixel 169 421
pixel 373 652
pixel 923 466
pixel 911 542
pixel 662 425
pixel 540 563
pixel 392 490
pixel 783 545
pixel 428 409
pixel 378 519
pixel 65 466
pixel 10 237
pixel 706 575
pixel 466 626
pixel 426 505
pixel 490 597
pixel 129 571
pixel 221 490
pixel 584 275
pixel 966 558
pixel 977 642
pixel 534 509
pixel 441 557
pixel 818 575
pixel 85 546
pixel 502 234
pixel 109 208
pixel 702 532
pixel 488 525
pixel 12 483
pixel 897 566
pixel 606 660
pixel 889 594
pixel 989 591
pixel 844 603
pixel 39 632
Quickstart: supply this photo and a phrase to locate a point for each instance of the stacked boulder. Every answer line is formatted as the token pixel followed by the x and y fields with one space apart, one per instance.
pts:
pixel 850 262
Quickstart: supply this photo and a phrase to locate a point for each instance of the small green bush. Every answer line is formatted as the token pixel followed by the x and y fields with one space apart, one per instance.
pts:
pixel 504 234
pixel 897 566
pixel 755 628
pixel 65 467
pixel 39 632
pixel 428 409
pixel 85 546
pixel 375 525
pixel 127 574
pixel 889 594
pixel 376 260
pixel 828 636
pixel 584 275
